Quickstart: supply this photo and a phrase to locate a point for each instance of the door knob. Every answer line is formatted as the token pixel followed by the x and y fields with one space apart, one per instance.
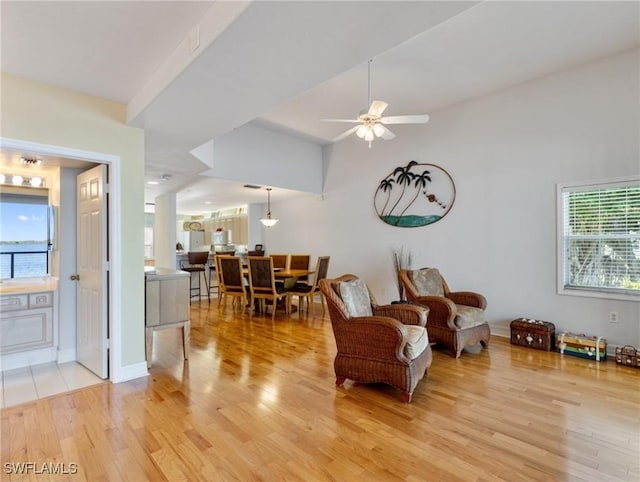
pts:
pixel 75 277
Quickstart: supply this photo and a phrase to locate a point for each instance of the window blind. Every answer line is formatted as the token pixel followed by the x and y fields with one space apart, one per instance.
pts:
pixel 601 236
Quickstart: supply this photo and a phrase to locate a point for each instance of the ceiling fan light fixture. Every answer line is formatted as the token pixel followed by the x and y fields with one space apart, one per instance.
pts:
pixel 269 221
pixel 378 130
pixel 372 123
pixel 369 136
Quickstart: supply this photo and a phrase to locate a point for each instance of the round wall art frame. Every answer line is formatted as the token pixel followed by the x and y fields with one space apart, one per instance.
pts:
pixel 414 195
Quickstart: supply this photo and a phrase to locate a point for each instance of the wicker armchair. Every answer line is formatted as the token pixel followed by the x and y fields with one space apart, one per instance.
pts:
pixel 389 344
pixel 456 319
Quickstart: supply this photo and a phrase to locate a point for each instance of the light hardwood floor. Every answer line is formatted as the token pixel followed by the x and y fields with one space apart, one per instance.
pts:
pixel 257 401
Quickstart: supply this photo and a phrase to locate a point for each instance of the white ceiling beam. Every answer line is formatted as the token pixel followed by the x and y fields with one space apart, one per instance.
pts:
pixel 217 19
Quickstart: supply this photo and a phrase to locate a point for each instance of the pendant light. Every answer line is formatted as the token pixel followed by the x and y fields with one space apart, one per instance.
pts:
pixel 269 221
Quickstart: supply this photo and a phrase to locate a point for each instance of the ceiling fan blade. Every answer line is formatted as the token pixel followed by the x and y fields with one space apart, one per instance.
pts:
pixel 351 121
pixel 345 134
pixel 377 108
pixel 406 119
pixel 387 135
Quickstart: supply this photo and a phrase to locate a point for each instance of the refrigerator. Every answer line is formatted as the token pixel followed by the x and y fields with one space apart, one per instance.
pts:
pixel 221 241
pixel 193 241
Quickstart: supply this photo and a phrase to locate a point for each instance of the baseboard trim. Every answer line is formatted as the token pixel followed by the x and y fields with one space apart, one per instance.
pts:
pixel 66 356
pixel 130 372
pixel 27 358
pixel 498 332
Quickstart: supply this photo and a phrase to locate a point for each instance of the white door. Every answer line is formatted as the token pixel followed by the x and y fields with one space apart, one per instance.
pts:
pixel 92 316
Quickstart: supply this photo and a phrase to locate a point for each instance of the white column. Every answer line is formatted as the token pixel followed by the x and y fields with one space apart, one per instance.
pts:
pixel 164 231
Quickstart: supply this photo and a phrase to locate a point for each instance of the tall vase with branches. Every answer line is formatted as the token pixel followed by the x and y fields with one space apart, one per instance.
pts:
pixel 401 260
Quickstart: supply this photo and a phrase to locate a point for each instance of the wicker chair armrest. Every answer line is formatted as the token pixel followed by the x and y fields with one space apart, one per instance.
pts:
pixel 468 298
pixel 374 337
pixel 442 311
pixel 404 313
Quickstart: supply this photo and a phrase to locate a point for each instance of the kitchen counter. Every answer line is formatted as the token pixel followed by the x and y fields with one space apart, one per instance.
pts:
pixel 153 273
pixel 28 285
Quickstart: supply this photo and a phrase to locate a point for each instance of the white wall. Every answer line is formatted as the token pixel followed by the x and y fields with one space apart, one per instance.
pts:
pixel 42 114
pixel 505 152
pixel 260 156
pixel 254 213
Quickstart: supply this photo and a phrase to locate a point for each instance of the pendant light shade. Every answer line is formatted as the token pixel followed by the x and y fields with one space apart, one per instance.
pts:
pixel 269 221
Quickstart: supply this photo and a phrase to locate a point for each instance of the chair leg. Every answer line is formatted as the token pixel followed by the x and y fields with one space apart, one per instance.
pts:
pixel 406 397
pixel 206 285
pixel 186 339
pixel 340 381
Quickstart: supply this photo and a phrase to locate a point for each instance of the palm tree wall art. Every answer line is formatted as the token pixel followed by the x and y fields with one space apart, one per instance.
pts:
pixel 414 195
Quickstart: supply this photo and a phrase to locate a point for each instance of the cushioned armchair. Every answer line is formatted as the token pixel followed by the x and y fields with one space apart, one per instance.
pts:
pixel 385 344
pixel 456 319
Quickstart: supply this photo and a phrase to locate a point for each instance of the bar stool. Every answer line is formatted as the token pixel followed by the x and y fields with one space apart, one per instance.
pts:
pixel 197 264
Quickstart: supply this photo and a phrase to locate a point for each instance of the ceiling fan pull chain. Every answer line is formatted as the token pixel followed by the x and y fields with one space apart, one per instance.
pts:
pixel 369 83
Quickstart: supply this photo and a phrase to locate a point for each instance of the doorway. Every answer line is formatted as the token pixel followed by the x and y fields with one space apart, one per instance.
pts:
pixel 67 157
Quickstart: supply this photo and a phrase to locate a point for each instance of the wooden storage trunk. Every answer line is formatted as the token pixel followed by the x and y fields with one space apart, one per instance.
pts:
pixel 628 356
pixel 583 346
pixel 533 334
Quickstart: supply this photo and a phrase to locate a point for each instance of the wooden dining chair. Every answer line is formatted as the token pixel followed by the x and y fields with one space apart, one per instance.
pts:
pixel 262 284
pixel 214 271
pixel 303 290
pixel 231 279
pixel 300 261
pixel 280 261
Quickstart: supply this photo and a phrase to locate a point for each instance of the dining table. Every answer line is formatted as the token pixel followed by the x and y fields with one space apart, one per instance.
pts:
pixel 281 274
pixel 289 275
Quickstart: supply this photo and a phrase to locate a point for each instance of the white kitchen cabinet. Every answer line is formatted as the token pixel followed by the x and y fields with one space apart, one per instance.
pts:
pixel 238 226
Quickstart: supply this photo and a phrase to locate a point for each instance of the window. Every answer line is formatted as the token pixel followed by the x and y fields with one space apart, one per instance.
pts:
pixel 24 232
pixel 148 242
pixel 148 234
pixel 599 241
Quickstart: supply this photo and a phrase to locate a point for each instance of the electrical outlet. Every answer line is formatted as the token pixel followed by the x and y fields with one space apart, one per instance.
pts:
pixel 613 317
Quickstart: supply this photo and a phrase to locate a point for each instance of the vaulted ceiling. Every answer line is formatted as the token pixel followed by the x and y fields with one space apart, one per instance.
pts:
pixel 191 72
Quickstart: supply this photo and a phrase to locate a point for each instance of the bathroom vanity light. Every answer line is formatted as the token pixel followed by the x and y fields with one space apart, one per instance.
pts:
pixel 18 180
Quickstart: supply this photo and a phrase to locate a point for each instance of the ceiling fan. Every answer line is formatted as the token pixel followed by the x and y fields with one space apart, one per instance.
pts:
pixel 370 122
